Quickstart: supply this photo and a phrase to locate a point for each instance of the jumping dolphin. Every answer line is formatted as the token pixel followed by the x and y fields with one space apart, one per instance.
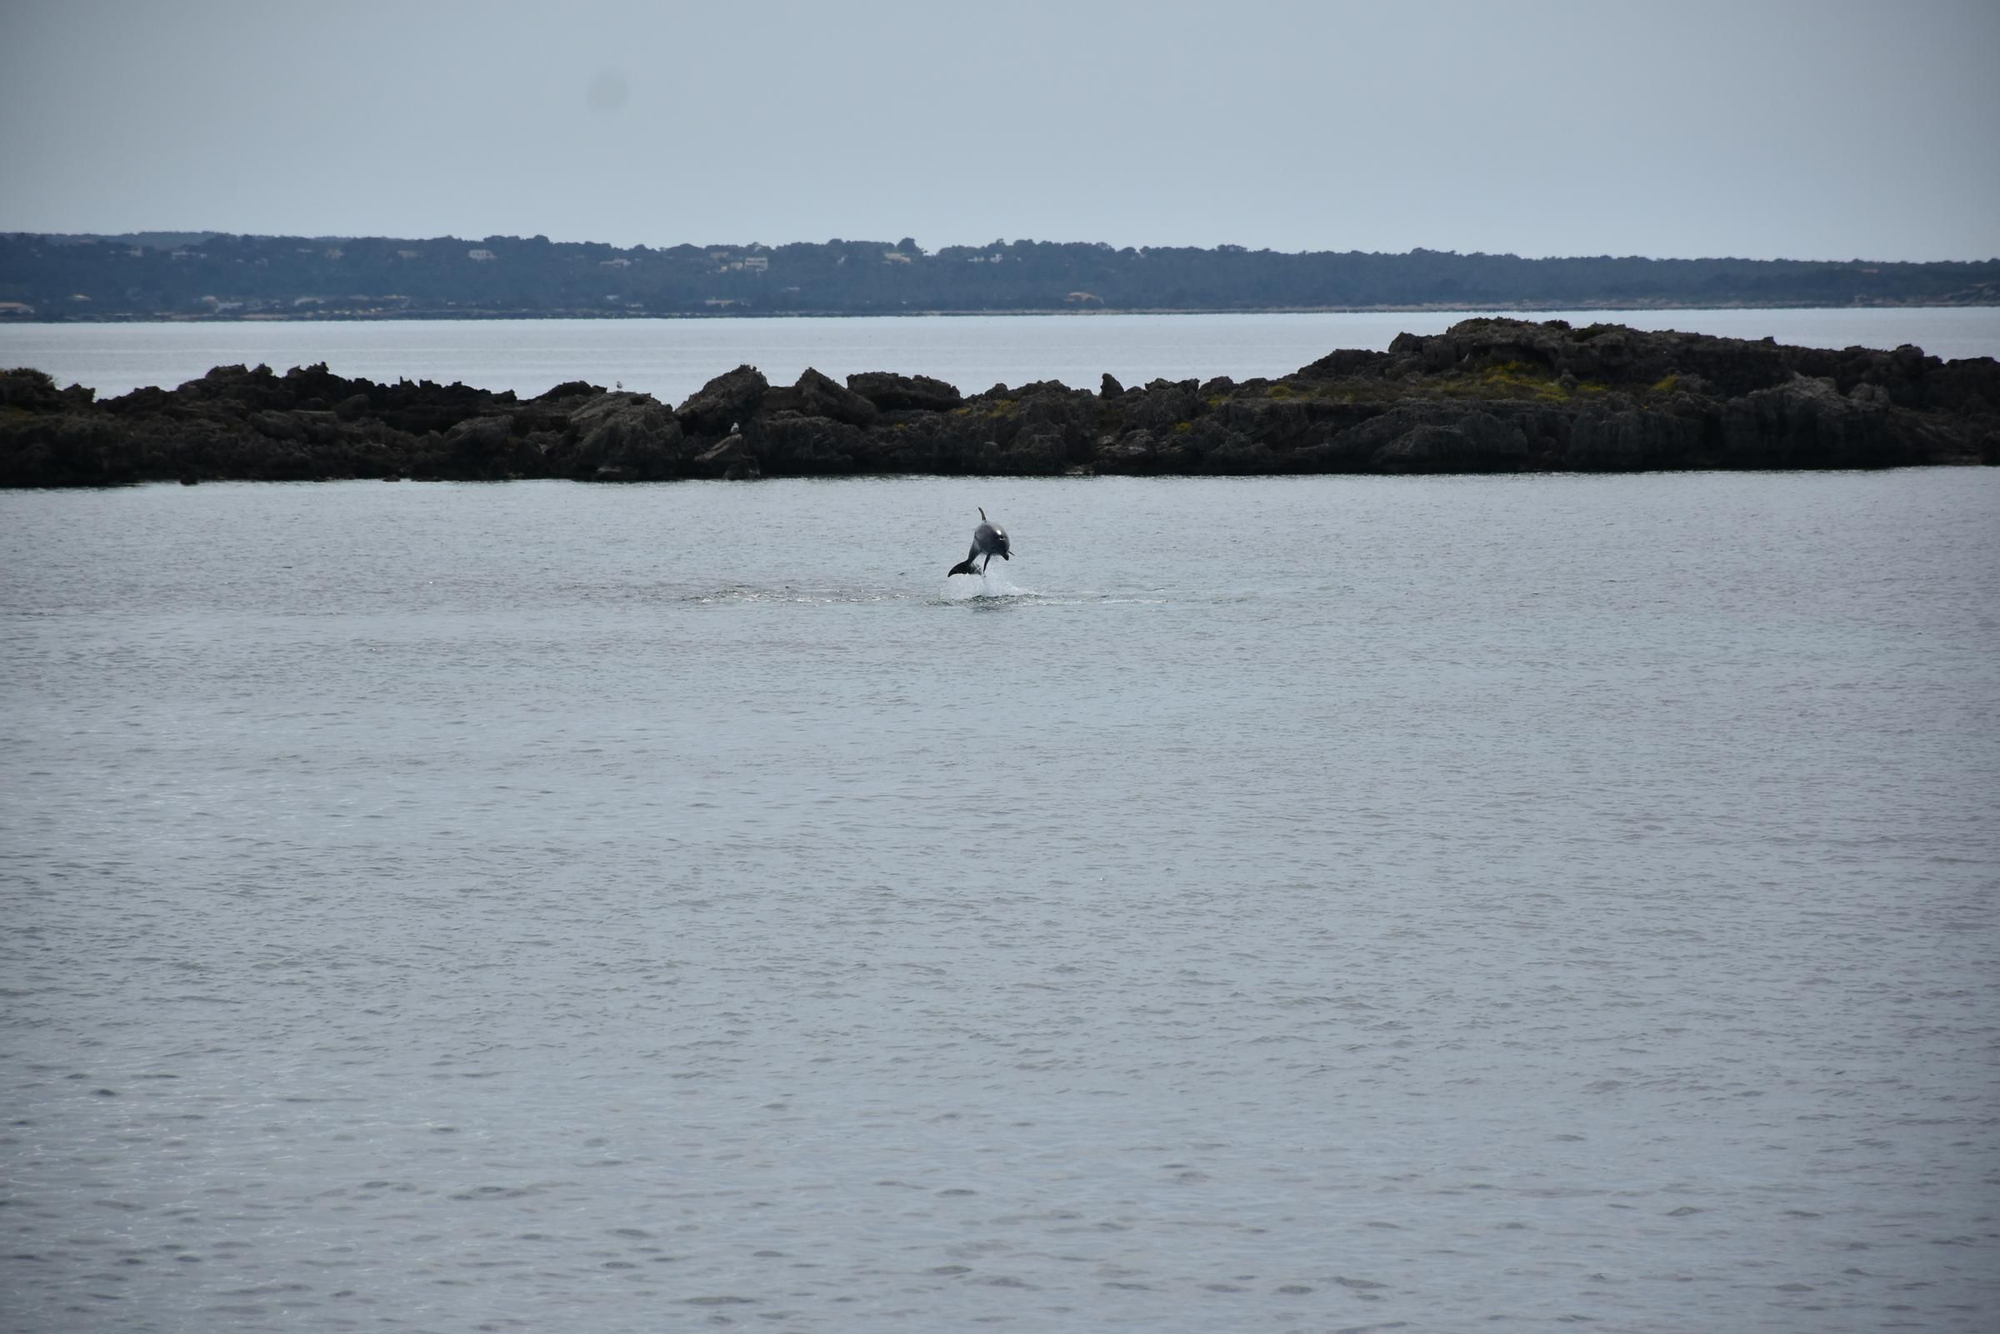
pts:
pixel 988 540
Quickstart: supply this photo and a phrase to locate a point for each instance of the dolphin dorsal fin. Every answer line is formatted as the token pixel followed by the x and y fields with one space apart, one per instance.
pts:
pixel 982 514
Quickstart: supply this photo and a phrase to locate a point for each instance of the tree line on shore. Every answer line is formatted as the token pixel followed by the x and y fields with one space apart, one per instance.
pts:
pixel 198 275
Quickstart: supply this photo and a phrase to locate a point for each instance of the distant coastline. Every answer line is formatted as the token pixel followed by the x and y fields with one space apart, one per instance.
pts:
pixel 475 316
pixel 178 277
pixel 1489 395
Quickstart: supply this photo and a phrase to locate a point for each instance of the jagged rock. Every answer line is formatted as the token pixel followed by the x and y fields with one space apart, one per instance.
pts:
pixel 480 435
pixel 569 389
pixel 1345 363
pixel 1427 448
pixel 820 396
pixel 724 402
pixel 1603 441
pixel 1276 423
pixel 1486 395
pixel 1065 417
pixel 482 446
pixel 1162 405
pixel 1425 354
pixel 1041 452
pixel 729 459
pixel 633 434
pixel 1131 452
pixel 276 425
pixel 891 392
pixel 1808 423
pixel 1494 441
pixel 29 390
pixel 1241 456
pixel 793 444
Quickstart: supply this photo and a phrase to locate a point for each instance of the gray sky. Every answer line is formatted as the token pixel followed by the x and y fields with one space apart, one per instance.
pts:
pixel 1827 130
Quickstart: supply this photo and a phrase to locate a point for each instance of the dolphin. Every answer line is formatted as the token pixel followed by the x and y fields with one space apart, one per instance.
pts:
pixel 989 540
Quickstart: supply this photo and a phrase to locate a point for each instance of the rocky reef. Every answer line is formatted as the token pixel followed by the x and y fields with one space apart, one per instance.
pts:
pixel 1489 395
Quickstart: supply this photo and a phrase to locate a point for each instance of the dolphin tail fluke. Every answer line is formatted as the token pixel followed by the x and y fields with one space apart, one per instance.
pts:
pixel 963 567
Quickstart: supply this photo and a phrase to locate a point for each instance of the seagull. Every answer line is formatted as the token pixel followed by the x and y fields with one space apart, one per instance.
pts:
pixel 989 539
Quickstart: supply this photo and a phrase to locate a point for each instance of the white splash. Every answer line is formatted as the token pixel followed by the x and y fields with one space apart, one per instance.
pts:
pixel 994 583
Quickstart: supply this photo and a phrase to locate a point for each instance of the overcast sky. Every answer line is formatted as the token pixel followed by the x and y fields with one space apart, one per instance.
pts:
pixel 1821 129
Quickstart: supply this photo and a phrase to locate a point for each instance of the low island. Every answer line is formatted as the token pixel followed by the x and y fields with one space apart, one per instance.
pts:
pixel 1488 395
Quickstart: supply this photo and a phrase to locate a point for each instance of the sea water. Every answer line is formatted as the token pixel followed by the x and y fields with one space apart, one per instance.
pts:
pixel 1312 904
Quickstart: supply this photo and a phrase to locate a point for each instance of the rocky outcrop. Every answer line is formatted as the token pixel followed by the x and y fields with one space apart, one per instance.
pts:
pixel 894 393
pixel 817 395
pixel 1489 395
pixel 724 402
pixel 616 437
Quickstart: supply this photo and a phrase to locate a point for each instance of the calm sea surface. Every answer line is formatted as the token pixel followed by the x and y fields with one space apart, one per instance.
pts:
pixel 1304 904
pixel 672 358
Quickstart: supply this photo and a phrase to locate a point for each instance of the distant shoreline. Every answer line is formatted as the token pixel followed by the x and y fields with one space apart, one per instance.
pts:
pixel 483 316
pixel 190 276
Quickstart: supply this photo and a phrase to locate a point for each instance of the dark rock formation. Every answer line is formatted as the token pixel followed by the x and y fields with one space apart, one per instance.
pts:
pixel 1486 396
pixel 819 396
pixel 630 437
pixel 724 402
pixel 891 392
